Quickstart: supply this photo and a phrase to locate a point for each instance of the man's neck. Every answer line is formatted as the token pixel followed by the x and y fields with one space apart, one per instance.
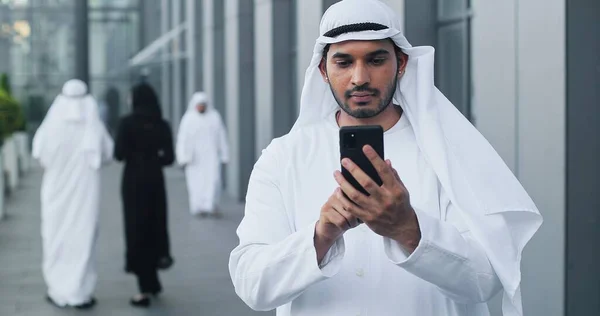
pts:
pixel 386 119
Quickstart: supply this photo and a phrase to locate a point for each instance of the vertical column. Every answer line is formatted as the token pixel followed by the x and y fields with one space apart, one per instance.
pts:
pixel 165 64
pixel 263 52
pixel 420 22
pixel 208 40
pixel 199 45
pixel 190 45
pixel 218 48
pixel 142 20
pixel 82 41
pixel 284 99
pixel 583 154
pixel 309 13
pixel 494 99
pixel 232 75
pixel 176 62
pixel 541 147
pixel 494 106
pixel 246 100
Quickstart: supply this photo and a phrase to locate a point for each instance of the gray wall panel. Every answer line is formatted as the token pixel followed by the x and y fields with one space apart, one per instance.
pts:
pixel 219 56
pixel 583 157
pixel 199 46
pixel 284 98
pixel 421 17
pixel 246 92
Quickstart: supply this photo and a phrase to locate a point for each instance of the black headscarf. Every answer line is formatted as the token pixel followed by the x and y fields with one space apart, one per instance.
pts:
pixel 145 102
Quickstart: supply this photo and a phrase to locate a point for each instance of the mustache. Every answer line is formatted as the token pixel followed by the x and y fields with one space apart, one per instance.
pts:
pixel 363 88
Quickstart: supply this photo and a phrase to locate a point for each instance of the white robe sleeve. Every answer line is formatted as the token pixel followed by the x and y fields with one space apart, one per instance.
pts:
pixel 449 257
pixel 183 152
pixel 39 147
pixel 273 264
pixel 108 146
pixel 223 143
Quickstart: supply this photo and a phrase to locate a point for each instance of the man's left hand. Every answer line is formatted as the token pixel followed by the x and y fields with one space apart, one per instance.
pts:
pixel 387 210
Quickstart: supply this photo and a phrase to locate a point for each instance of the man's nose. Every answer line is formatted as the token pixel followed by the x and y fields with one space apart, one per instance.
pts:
pixel 360 75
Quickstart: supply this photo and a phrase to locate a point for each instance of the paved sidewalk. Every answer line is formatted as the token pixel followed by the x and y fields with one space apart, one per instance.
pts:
pixel 198 283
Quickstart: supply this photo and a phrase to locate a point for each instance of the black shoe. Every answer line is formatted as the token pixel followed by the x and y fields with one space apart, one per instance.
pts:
pixel 165 263
pixel 87 305
pixel 143 302
pixel 156 294
pixel 91 303
pixel 51 301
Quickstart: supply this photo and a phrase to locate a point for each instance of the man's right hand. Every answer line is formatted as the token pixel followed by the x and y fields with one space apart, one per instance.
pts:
pixel 333 223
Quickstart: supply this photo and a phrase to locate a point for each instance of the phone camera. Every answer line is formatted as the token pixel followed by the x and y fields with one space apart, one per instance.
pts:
pixel 350 142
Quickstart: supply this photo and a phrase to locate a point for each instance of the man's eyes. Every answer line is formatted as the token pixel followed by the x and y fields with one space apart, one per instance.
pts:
pixel 343 63
pixel 378 61
pixel 375 61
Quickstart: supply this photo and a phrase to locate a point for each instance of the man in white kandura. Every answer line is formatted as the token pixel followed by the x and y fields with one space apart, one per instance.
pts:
pixel 71 145
pixel 441 236
pixel 202 148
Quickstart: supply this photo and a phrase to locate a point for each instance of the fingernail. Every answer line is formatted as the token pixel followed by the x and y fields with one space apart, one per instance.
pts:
pixel 345 162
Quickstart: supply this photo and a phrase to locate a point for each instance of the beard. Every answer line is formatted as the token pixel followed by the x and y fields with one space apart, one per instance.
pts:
pixel 361 112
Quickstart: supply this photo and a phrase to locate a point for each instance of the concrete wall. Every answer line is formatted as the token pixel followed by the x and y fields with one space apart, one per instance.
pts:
pixel 247 92
pixel 284 66
pixel 232 71
pixel 218 47
pixel 583 154
pixel 518 54
pixel 208 59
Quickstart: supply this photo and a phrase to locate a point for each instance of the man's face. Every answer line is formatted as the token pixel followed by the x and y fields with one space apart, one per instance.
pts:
pixel 201 107
pixel 362 75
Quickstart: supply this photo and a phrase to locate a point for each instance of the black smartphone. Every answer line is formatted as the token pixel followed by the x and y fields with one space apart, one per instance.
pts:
pixel 352 141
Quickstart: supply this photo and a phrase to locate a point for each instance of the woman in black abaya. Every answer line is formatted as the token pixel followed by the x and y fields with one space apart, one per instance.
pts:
pixel 144 142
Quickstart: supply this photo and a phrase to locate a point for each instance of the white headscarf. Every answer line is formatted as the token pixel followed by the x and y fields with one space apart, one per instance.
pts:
pixel 199 98
pixel 72 105
pixel 499 212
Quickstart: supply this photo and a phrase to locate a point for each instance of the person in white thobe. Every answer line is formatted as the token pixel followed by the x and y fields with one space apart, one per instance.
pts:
pixel 201 149
pixel 441 236
pixel 71 145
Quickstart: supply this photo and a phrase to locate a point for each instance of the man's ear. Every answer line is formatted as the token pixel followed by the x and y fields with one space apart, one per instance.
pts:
pixel 323 69
pixel 402 61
